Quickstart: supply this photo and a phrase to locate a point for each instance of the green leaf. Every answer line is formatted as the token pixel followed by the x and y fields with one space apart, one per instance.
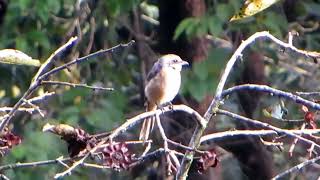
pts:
pixel 197 89
pixel 54 6
pixel 24 4
pixel 192 29
pixel 201 28
pixel 42 10
pixel 183 26
pixel 200 69
pixel 40 38
pixel 21 43
pixel 224 11
pixel 12 56
pixel 276 27
pixel 215 25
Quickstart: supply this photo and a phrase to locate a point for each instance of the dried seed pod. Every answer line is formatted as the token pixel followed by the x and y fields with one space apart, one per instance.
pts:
pixel 76 138
pixel 117 156
pixel 207 159
pixel 7 141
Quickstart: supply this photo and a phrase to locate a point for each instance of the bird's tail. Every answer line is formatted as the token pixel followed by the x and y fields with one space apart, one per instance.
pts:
pixel 148 123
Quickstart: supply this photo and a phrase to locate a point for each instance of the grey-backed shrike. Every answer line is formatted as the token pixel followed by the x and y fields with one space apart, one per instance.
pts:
pixel 163 84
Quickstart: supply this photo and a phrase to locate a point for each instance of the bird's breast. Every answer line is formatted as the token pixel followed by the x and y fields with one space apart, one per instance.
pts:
pixel 172 84
pixel 164 86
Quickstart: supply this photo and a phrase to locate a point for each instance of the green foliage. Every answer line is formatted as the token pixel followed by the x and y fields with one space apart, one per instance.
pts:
pixel 39 27
pixel 209 23
pixel 203 77
pixel 117 7
pixel 188 25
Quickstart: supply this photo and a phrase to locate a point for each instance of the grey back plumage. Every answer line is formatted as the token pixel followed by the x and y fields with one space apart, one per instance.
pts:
pixel 154 70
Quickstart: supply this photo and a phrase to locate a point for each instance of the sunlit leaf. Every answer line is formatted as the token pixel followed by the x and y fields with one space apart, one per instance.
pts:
pixel 15 91
pixel 252 7
pixel 12 56
pixel 2 93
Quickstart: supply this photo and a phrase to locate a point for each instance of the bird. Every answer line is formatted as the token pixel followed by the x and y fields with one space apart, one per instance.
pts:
pixel 163 84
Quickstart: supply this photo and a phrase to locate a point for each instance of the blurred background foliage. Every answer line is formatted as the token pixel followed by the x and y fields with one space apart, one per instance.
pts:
pixel 38 28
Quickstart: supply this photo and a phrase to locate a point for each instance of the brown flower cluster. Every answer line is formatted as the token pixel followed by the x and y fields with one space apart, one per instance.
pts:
pixel 7 141
pixel 207 159
pixel 117 156
pixel 114 155
pixel 77 139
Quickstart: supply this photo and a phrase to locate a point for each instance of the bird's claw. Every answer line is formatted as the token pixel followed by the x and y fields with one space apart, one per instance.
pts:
pixel 163 106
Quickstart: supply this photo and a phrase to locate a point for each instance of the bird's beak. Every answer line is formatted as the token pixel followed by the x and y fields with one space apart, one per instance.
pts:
pixel 184 63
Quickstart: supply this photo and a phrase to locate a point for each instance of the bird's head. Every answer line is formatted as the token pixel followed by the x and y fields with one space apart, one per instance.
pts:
pixel 172 61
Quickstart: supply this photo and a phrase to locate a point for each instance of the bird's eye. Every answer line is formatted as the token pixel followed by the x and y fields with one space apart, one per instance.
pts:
pixel 175 60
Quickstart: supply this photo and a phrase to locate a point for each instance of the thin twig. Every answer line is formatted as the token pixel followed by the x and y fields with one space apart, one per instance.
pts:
pixel 295 141
pixel 37 108
pixel 315 93
pixel 139 118
pixel 85 58
pixel 34 164
pixel 46 65
pixel 223 136
pixel 165 144
pixel 126 142
pixel 70 169
pixel 296 168
pixel 91 36
pixel 150 156
pixel 215 103
pixel 22 109
pixel 40 98
pixel 2 176
pixel 75 85
pixel 35 82
pixel 42 74
pixel 272 92
pixel 266 125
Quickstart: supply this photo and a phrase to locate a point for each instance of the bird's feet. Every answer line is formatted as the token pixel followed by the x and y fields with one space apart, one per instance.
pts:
pixel 162 106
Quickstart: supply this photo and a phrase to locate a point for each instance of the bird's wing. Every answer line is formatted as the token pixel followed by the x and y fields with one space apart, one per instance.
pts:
pixel 154 71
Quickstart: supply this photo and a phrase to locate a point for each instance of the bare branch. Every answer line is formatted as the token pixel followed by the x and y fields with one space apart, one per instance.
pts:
pixel 75 85
pixel 33 164
pixel 43 73
pixel 272 92
pixel 137 119
pixel 69 170
pixel 220 136
pixel 2 176
pixel 22 109
pixel 35 82
pixel 40 98
pixel 148 157
pixel 46 65
pixel 224 136
pixel 165 145
pixel 266 125
pixel 296 168
pixel 85 58
pixel 37 108
pixel 308 93
pixel 213 107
